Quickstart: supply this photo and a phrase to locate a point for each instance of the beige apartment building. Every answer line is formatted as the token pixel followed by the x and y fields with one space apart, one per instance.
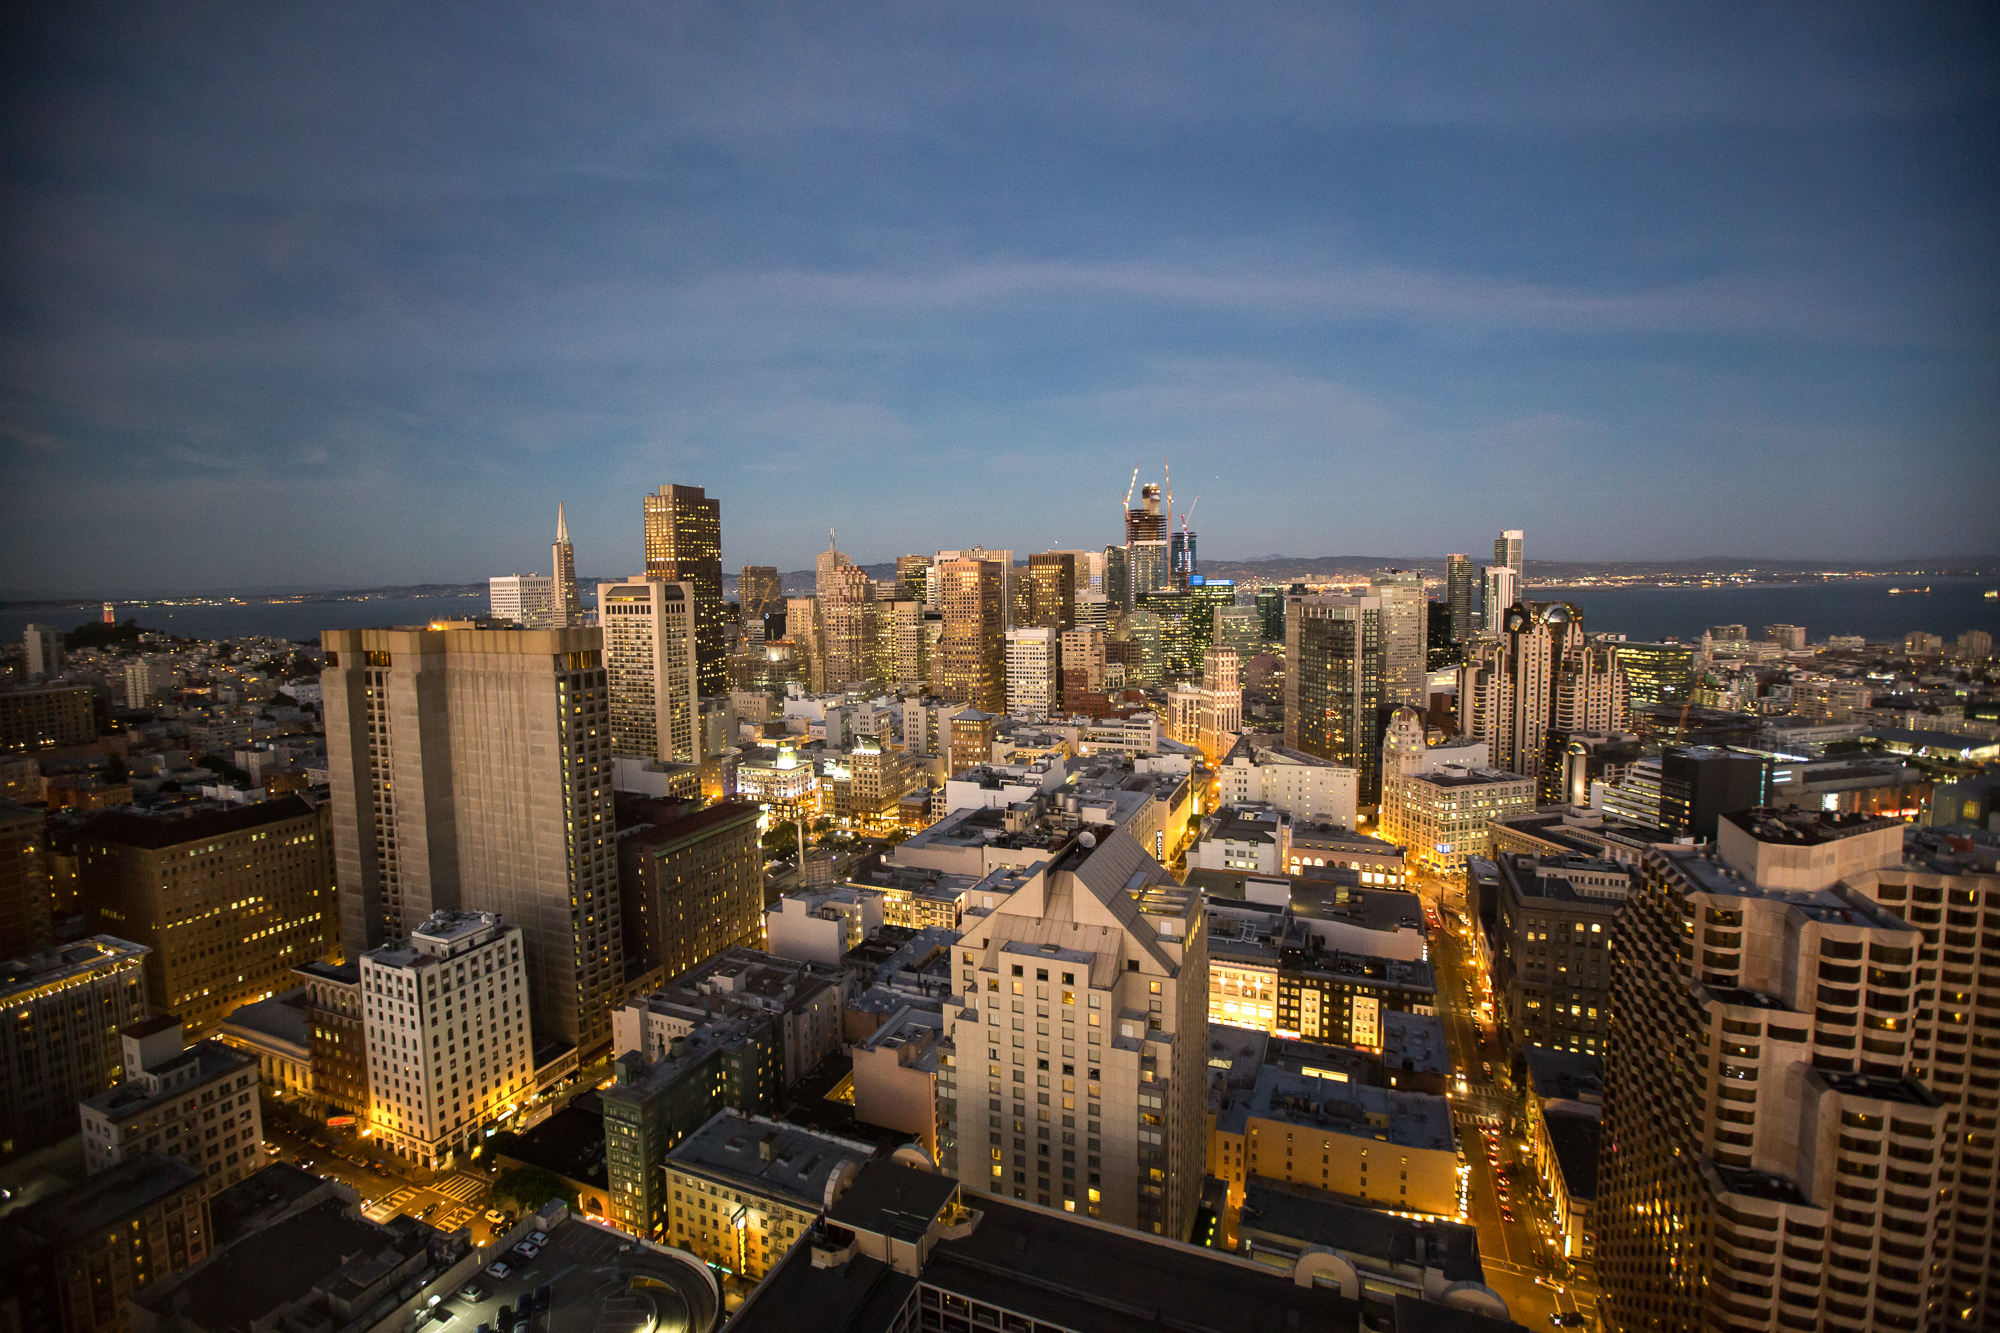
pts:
pixel 1080 1044
pixel 649 665
pixel 196 1103
pixel 228 901
pixel 471 770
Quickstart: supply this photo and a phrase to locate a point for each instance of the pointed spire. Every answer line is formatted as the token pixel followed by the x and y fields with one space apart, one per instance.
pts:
pixel 562 523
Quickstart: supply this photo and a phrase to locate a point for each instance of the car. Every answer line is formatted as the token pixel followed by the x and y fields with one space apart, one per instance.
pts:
pixel 1570 1319
pixel 539 1238
pixel 527 1250
pixel 494 1217
pixel 472 1291
pixel 542 1297
pixel 498 1269
pixel 525 1306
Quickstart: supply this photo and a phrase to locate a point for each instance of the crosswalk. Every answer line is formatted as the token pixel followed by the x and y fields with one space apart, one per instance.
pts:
pixel 461 1187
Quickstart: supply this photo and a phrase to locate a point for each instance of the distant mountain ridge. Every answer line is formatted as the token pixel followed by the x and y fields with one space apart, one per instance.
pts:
pixel 1262 569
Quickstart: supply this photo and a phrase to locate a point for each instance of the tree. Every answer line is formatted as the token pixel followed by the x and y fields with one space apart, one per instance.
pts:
pixel 531 1187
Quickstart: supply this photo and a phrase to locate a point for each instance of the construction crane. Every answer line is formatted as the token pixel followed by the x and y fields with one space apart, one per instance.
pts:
pixel 1128 498
pixel 1168 464
pixel 1188 517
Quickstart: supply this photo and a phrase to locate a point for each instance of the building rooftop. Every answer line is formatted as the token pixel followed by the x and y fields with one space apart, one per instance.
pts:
pixel 102 1201
pixel 771 1156
pixel 1451 1248
pixel 569 1143
pixel 1414 1043
pixel 126 828
pixel 1575 1139
pixel 282 1017
pixel 649 822
pixel 213 1060
pixel 1407 1119
pixel 1805 828
pixel 53 967
pixel 893 1200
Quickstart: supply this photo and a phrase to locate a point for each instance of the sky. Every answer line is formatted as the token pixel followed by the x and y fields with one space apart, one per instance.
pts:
pixel 349 295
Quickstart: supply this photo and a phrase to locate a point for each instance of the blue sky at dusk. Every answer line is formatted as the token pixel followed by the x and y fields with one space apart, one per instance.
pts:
pixel 354 294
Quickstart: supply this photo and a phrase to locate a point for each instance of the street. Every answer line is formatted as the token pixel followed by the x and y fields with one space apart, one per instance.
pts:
pixel 1520 1255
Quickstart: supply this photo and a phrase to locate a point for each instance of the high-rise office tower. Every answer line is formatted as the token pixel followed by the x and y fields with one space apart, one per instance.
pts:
pixel 1093 611
pixel 1271 612
pixel 1180 559
pixel 60 1044
pixel 1499 589
pixel 684 545
pixel 1656 673
pixel 460 977
pixel 1117 579
pixel 1507 551
pixel 1535 675
pixel 757 592
pixel 848 622
pixel 900 644
pixel 650 669
pixel 1034 673
pixel 1146 523
pixel 1146 567
pixel 913 577
pixel 565 607
pixel 27 908
pixel 471 770
pixel 1083 663
pixel 523 600
pixel 1335 673
pixel 1051 589
pixel 971 661
pixel 803 628
pixel 1769 1160
pixel 1091 1096
pixel 1461 595
pixel 227 902
pixel 44 645
pixel 1405 626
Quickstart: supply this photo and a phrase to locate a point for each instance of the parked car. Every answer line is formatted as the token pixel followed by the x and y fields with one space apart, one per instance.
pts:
pixel 494 1217
pixel 542 1297
pixel 526 1250
pixel 539 1238
pixel 472 1291
pixel 498 1269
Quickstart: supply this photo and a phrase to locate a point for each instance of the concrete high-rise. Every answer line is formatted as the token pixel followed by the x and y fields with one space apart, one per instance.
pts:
pixel 848 625
pixel 44 644
pixel 1146 523
pixel 1051 592
pixel 913 577
pixel 650 669
pixel 471 770
pixel 1534 676
pixel 684 545
pixel 523 600
pixel 1405 626
pixel 1461 595
pixel 27 908
pixel 450 1044
pixel 1146 567
pixel 1080 1040
pixel 227 902
pixel 757 592
pixel 971 661
pixel 1774 1155
pixel 60 1044
pixel 1334 681
pixel 1034 673
pixel 1499 588
pixel 1507 551
pixel 565 607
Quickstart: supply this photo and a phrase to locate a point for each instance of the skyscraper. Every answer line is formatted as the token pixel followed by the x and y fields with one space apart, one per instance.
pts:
pixel 913 575
pixel 684 545
pixel 1405 625
pixel 1461 595
pixel 1769 1160
pixel 1034 673
pixel 526 601
pixel 1096 1103
pixel 1334 682
pixel 1499 590
pixel 1146 523
pixel 471 770
pixel 650 669
pixel 970 665
pixel 1656 673
pixel 757 592
pixel 1180 558
pixel 44 644
pixel 1535 676
pixel 848 624
pixel 1507 551
pixel 1117 579
pixel 1146 567
pixel 565 607
pixel 1271 612
pixel 1051 588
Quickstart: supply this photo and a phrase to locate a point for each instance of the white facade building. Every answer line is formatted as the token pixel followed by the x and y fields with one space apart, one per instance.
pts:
pixel 526 600
pixel 649 664
pixel 1034 674
pixel 197 1104
pixel 44 644
pixel 445 1019
pixel 1304 786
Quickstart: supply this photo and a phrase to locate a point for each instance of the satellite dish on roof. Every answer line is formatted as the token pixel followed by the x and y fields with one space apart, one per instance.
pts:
pixel 1087 839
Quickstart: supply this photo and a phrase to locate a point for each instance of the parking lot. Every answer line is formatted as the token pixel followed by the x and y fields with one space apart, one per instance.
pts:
pixel 597 1281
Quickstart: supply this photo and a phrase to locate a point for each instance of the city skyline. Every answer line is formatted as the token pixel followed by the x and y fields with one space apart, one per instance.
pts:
pixel 1614 278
